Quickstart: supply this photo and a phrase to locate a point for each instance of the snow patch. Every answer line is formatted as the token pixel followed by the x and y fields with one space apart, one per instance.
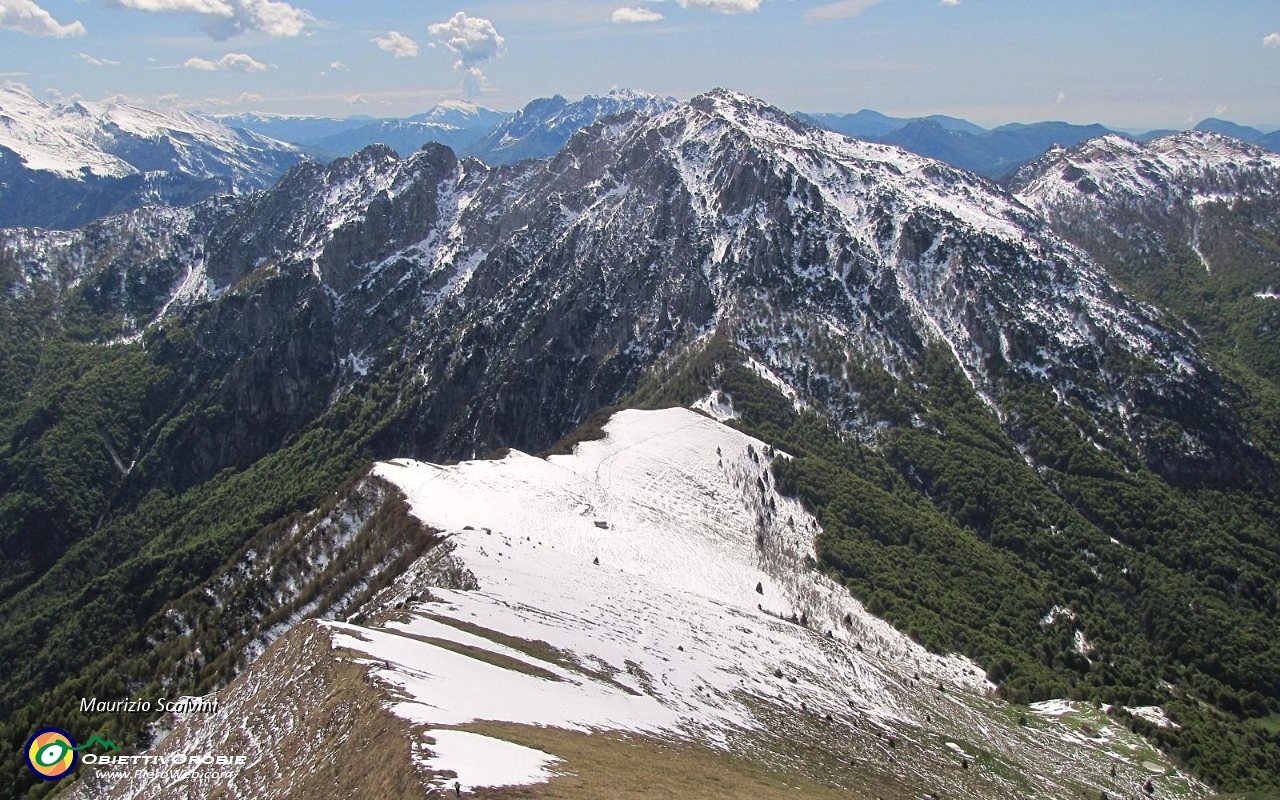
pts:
pixel 482 761
pixel 718 406
pixel 1153 714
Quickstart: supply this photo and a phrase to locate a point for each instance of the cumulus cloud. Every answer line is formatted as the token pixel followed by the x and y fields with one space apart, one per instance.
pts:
pixel 949 2
pixel 626 15
pixel 223 19
pixel 240 62
pixel 1272 40
pixel 475 41
pixel 93 61
pixel 397 44
pixel 53 93
pixel 26 16
pixel 841 10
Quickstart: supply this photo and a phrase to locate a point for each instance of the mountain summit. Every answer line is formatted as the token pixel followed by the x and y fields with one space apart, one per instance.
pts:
pixel 542 127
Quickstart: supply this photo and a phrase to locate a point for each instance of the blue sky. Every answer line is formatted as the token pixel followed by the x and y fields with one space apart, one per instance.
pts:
pixel 1123 63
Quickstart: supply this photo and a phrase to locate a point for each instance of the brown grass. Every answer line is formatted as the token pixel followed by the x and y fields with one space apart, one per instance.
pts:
pixel 619 765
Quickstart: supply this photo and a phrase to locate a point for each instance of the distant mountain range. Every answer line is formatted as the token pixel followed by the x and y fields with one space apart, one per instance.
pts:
pixel 1269 140
pixel 538 130
pixel 995 152
pixel 62 166
pixel 65 165
pixel 543 126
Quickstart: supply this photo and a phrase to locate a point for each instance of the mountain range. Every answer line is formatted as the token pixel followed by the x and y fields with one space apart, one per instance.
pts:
pixel 538 130
pixel 134 156
pixel 915 482
pixel 543 126
pixel 64 165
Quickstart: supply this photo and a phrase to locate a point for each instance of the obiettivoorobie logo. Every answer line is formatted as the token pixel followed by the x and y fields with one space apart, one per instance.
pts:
pixel 51 752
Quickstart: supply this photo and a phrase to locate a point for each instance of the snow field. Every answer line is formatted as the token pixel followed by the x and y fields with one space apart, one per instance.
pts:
pixel 667 634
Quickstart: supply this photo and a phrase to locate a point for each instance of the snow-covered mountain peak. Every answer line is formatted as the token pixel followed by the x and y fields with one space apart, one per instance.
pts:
pixel 543 126
pixel 113 139
pixel 780 205
pixel 47 138
pixel 632 94
pixel 1189 166
pixel 460 106
pixel 869 183
pixel 460 114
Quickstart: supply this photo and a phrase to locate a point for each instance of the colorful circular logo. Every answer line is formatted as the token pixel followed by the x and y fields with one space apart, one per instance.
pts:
pixel 50 754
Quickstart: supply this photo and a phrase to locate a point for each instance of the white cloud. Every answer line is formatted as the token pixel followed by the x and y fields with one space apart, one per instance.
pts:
pixel 96 62
pixel 249 97
pixel 723 6
pixel 26 16
pixel 338 66
pixel 1272 39
pixel 949 2
pixel 220 8
pixel 397 44
pixel 627 15
pixel 357 100
pixel 223 19
pixel 275 18
pixel 231 61
pixel 475 41
pixel 1062 96
pixel 841 10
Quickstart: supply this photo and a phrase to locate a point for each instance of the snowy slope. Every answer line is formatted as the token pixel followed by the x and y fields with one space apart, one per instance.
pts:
pixel 41 136
pixel 461 114
pixel 116 140
pixel 1194 166
pixel 638 558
